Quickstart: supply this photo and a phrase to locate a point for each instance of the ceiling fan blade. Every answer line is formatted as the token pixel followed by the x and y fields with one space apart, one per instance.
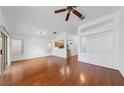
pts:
pixel 77 13
pixel 67 16
pixel 60 10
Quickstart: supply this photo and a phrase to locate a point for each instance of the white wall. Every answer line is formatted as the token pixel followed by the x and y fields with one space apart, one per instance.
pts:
pixel 121 41
pixel 33 47
pixel 2 20
pixel 56 51
pixel 109 60
pixel 62 52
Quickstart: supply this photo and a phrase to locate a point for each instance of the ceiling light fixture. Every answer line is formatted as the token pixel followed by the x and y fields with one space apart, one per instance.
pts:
pixel 42 33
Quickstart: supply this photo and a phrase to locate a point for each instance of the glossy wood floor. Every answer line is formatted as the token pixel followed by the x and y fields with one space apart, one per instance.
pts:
pixel 54 71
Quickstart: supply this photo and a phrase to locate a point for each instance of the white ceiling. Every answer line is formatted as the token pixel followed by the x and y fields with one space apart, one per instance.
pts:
pixel 31 20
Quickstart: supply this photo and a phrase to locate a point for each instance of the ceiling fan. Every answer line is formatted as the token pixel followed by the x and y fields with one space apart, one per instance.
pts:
pixel 70 9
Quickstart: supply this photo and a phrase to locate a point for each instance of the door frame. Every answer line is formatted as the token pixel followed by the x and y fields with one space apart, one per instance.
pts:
pixel 4 31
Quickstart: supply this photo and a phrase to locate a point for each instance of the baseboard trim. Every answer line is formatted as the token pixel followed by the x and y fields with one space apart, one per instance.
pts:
pixel 30 59
pixel 99 66
pixel 121 73
pixel 89 63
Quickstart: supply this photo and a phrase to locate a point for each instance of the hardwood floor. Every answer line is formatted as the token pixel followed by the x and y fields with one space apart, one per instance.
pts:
pixel 53 71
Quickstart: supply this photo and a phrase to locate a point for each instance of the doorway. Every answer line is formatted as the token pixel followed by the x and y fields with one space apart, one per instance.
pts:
pixel 3 51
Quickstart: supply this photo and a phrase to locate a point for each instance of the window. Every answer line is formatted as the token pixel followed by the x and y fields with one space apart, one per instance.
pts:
pixel 17 47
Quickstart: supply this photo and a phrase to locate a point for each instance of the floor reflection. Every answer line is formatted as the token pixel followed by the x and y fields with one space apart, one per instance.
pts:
pixel 12 76
pixel 17 72
pixel 82 78
pixel 65 70
pixel 49 63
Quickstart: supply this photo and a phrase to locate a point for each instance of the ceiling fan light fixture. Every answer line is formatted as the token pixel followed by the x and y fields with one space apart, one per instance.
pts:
pixel 82 17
